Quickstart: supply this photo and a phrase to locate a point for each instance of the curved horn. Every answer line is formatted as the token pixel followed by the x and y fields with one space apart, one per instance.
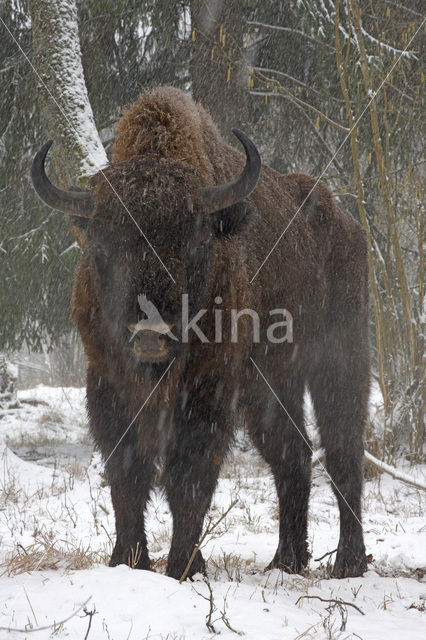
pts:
pixel 77 203
pixel 225 195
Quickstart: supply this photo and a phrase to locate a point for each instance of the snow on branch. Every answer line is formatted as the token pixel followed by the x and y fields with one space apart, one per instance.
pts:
pixel 326 15
pixel 62 85
pixel 275 27
pixel 395 473
pixel 319 454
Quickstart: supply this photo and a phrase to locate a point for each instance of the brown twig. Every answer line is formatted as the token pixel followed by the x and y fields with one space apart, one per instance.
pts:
pixel 225 619
pixel 210 600
pixel 331 601
pixel 54 625
pixel 90 614
pixel 209 529
pixel 325 555
pixel 209 622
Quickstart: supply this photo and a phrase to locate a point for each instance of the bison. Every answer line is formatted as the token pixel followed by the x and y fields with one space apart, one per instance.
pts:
pixel 179 211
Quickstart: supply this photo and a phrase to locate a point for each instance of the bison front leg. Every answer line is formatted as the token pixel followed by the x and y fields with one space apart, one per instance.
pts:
pixel 292 480
pixel 128 474
pixel 340 392
pixel 130 486
pixel 190 477
pixel 286 448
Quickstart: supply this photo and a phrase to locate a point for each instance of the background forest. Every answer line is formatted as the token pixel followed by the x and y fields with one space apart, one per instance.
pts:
pixel 330 88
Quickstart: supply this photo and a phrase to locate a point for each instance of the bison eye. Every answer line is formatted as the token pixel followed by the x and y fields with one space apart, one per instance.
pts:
pixel 101 255
pixel 204 240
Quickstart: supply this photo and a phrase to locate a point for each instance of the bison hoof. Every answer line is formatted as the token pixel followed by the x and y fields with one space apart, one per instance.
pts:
pixel 349 564
pixel 290 563
pixel 176 568
pixel 132 559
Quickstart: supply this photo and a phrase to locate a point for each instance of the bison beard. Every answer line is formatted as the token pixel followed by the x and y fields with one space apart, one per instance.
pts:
pixel 167 155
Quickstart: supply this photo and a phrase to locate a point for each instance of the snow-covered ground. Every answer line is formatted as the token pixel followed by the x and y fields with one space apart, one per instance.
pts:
pixel 57 526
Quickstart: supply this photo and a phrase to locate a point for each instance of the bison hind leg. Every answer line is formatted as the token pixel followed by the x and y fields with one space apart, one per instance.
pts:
pixel 279 435
pixel 290 560
pixel 349 564
pixel 135 556
pixel 175 564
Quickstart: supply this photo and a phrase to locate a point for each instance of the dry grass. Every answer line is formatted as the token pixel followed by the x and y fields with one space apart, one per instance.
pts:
pixel 159 565
pixel 37 440
pixel 48 434
pixel 160 538
pixel 46 553
pixel 50 418
pixel 233 565
pixel 10 492
pixel 247 478
pixel 76 469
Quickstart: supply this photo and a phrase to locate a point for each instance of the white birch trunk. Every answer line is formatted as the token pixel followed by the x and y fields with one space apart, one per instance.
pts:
pixel 63 98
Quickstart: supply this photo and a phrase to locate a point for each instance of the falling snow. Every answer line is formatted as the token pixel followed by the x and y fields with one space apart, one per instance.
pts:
pixel 53 493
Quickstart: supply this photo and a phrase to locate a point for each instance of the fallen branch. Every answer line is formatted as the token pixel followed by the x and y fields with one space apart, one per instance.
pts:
pixel 54 625
pixel 331 601
pixel 399 475
pixel 319 454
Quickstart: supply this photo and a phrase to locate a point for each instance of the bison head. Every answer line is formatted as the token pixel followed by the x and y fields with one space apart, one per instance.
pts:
pixel 147 227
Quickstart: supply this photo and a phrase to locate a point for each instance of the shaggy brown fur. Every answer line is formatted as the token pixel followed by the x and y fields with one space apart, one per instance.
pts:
pixel 169 124
pixel 166 148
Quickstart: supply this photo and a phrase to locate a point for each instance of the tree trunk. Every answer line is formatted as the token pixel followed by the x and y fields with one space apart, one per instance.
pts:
pixel 8 379
pixel 62 94
pixel 218 72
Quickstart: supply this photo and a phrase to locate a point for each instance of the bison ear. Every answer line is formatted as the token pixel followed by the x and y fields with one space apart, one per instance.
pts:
pixel 79 230
pixel 234 219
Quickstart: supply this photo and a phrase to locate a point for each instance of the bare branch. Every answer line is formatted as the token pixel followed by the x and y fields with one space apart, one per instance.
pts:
pixel 54 625
pixel 209 529
pixel 212 608
pixel 329 553
pixel 282 92
pixel 290 30
pixel 401 6
pixel 90 614
pixel 319 136
pixel 330 601
pixel 296 80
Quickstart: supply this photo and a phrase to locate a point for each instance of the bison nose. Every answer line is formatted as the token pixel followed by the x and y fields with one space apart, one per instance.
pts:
pixel 150 342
